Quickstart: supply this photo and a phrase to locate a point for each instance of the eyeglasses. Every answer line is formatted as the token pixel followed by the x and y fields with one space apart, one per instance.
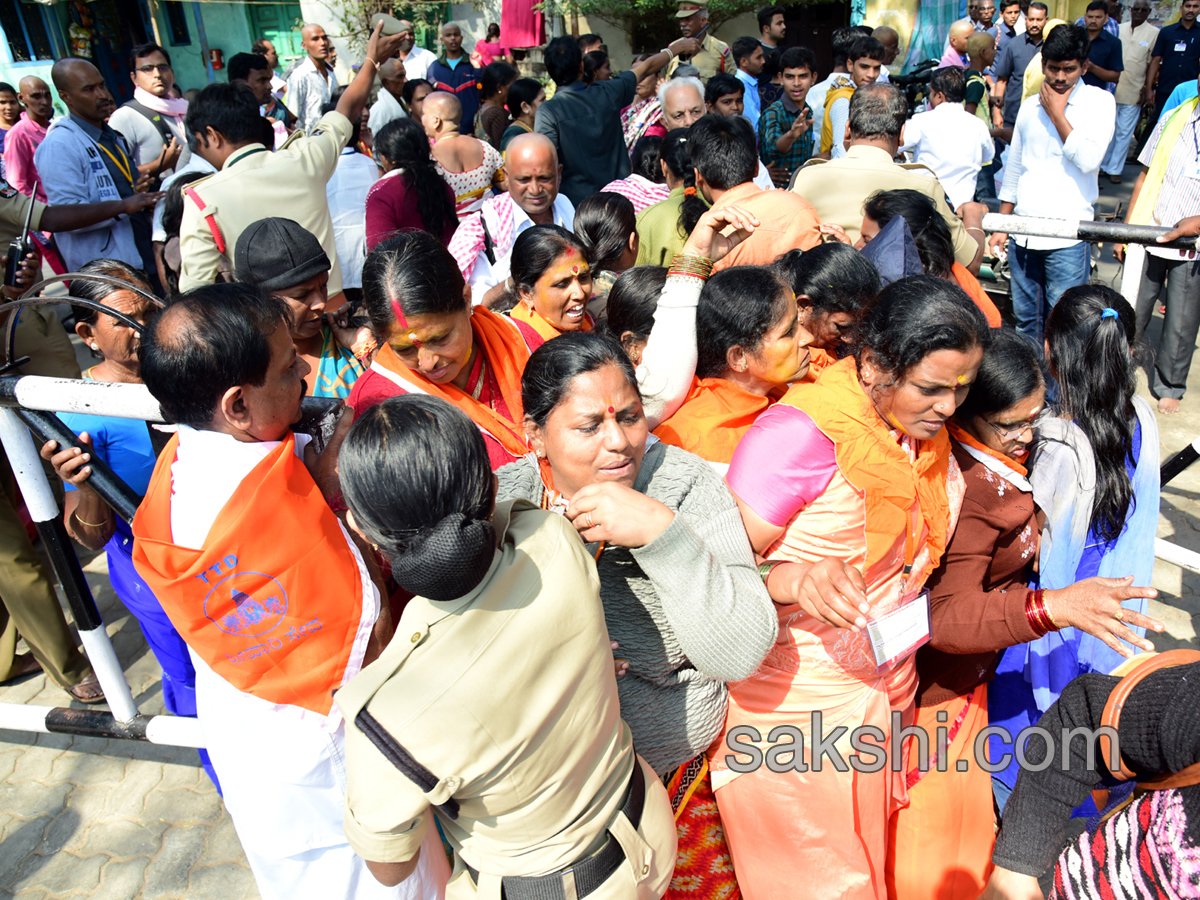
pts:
pixel 1014 431
pixel 146 70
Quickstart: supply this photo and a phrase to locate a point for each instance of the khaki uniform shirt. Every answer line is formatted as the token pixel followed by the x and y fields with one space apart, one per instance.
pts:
pixel 13 208
pixel 838 189
pixel 713 57
pixel 257 184
pixel 1136 50
pixel 508 697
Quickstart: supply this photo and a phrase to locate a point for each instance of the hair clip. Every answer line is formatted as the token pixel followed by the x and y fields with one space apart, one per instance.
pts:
pixel 1108 313
pixel 689 192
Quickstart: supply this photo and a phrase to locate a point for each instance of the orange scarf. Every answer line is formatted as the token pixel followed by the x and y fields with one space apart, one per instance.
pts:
pixel 505 352
pixel 975 291
pixel 819 359
pixel 274 599
pixel 522 312
pixel 875 464
pixel 968 440
pixel 712 419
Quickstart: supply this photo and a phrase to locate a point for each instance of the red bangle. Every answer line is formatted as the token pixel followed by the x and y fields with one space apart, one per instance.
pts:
pixel 1037 615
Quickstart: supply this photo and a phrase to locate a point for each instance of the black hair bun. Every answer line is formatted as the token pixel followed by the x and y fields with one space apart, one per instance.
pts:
pixel 447 560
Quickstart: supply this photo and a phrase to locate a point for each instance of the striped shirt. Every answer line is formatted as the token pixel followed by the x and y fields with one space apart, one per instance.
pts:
pixel 1179 196
pixel 639 191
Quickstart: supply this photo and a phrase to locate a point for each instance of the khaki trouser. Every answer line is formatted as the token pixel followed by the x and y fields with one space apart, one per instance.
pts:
pixel 29 607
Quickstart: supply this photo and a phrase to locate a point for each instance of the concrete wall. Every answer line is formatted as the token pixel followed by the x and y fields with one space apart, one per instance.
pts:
pixel 226 28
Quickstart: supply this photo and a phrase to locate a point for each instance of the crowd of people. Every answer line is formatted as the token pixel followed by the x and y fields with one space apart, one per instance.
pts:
pixel 695 516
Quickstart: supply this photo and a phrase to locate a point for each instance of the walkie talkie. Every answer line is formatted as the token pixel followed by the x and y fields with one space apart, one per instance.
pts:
pixel 19 247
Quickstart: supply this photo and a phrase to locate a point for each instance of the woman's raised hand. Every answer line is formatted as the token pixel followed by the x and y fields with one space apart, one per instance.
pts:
pixel 828 590
pixel 1094 605
pixel 618 515
pixel 707 239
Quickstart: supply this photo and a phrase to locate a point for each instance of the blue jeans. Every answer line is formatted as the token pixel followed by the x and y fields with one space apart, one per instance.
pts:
pixel 1039 277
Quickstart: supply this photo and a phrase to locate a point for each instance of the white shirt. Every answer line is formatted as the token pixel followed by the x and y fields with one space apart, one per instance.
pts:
pixel 416 64
pixel 346 192
pixel 952 142
pixel 385 109
pixel 196 164
pixel 486 276
pixel 762 178
pixel 1044 176
pixel 307 91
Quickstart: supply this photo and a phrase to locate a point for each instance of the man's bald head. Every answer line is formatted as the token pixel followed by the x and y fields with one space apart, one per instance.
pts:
pixel 960 33
pixel 315 41
pixel 393 77
pixel 533 174
pixel 82 89
pixel 891 43
pixel 35 96
pixel 440 113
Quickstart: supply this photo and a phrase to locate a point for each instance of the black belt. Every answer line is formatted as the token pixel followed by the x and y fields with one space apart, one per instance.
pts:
pixel 590 873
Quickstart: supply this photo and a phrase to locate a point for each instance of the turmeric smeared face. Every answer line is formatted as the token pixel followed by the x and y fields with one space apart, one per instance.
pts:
pixel 437 346
pixel 561 295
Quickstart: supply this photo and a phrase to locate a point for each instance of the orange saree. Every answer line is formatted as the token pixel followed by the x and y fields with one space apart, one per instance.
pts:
pixel 522 312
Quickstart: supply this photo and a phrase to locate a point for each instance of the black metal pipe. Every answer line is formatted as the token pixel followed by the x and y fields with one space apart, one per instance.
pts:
pixel 1177 463
pixel 95 723
pixel 70 575
pixel 116 493
pixel 1122 233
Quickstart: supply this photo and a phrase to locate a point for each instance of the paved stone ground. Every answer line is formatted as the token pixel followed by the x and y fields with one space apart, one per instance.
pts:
pixel 111 820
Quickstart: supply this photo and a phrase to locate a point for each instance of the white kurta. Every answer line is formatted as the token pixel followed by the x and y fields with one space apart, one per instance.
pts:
pixel 282 768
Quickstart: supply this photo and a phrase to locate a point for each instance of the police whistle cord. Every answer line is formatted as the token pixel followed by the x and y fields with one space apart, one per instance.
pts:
pixel 1094 232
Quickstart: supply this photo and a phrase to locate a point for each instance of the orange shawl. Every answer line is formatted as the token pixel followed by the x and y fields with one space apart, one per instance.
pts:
pixel 975 291
pixel 531 317
pixel 819 359
pixel 505 352
pixel 874 463
pixel 970 441
pixel 274 599
pixel 712 419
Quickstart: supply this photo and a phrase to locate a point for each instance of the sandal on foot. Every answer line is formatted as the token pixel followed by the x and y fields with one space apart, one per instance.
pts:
pixel 88 690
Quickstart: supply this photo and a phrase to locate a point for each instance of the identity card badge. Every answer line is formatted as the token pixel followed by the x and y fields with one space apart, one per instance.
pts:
pixel 899 633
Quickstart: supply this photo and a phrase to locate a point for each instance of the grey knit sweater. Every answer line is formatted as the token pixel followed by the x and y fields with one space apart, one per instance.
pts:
pixel 688 609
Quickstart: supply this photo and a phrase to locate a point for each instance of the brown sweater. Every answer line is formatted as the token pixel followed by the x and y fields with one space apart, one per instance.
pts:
pixel 977 594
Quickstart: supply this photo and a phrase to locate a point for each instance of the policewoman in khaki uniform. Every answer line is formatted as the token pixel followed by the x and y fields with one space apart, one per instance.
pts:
pixel 714 56
pixel 495 705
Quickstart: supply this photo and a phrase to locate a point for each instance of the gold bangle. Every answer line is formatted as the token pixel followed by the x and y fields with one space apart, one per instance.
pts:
pixel 75 513
pixel 976 228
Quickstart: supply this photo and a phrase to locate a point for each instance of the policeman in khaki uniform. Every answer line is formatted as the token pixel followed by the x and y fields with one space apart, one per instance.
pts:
pixel 503 706
pixel 838 188
pixel 252 183
pixel 714 56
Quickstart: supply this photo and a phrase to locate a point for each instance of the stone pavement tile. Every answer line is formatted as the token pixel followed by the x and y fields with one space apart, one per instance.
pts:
pixel 20 840
pixel 90 802
pixel 29 800
pixel 62 873
pixel 35 764
pixel 177 777
pixel 168 873
pixel 222 844
pixel 65 833
pixel 8 761
pixel 89 769
pixel 123 840
pixel 141 777
pixel 183 806
pixel 221 883
pixel 124 880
